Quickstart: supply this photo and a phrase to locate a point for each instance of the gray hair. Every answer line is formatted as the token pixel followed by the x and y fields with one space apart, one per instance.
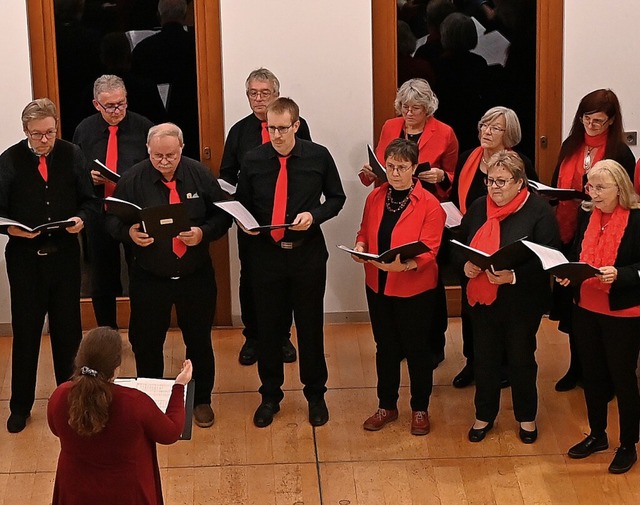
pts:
pixel 458 33
pixel 512 162
pixel 419 92
pixel 107 83
pixel 264 75
pixel 39 108
pixel 512 132
pixel 172 10
pixel 165 130
pixel 627 197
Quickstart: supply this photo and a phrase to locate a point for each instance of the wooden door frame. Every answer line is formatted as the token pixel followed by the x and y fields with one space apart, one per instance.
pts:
pixel 41 26
pixel 550 29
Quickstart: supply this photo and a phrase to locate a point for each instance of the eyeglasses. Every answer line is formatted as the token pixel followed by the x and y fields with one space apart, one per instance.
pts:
pixel 491 128
pixel 595 123
pixel 598 188
pixel 39 135
pixel 498 183
pixel 254 93
pixel 168 157
pixel 280 129
pixel 400 169
pixel 414 109
pixel 110 108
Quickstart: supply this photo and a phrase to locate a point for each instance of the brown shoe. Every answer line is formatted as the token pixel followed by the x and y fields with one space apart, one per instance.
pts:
pixel 378 420
pixel 203 415
pixel 420 422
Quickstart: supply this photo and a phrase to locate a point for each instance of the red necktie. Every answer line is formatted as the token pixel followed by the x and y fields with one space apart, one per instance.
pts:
pixel 265 133
pixel 280 200
pixel 112 158
pixel 178 246
pixel 42 168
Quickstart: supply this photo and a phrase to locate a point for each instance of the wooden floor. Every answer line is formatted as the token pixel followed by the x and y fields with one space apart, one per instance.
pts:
pixel 291 463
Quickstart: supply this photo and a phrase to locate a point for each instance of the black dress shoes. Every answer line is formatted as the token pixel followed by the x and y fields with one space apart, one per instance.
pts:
pixel 318 413
pixel 289 354
pixel 16 422
pixel 464 378
pixel 478 434
pixel 249 352
pixel 528 437
pixel 588 446
pixel 624 459
pixel 264 414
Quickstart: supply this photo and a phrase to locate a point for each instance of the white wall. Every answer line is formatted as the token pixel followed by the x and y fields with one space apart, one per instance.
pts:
pixel 321 53
pixel 15 93
pixel 601 43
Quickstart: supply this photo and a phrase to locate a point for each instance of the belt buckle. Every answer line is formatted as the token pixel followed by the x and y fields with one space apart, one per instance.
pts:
pixel 174 278
pixel 286 245
pixel 42 252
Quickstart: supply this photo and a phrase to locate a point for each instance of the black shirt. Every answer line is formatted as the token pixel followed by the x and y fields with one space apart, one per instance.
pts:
pixel 245 135
pixel 387 224
pixel 25 196
pixel 312 173
pixel 92 135
pixel 198 189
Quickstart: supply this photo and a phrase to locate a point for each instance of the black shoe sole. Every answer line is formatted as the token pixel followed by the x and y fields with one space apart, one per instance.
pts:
pixel 586 454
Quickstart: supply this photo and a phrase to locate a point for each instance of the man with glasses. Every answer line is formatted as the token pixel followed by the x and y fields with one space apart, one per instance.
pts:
pixel 174 270
pixel 262 88
pixel 289 180
pixel 116 137
pixel 42 180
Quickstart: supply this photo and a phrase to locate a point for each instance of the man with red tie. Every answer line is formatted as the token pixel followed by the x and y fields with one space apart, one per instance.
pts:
pixel 173 270
pixel 262 88
pixel 284 181
pixel 42 180
pixel 116 137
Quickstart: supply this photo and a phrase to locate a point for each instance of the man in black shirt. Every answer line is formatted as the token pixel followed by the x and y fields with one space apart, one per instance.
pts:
pixel 114 136
pixel 262 88
pixel 164 272
pixel 284 182
pixel 42 180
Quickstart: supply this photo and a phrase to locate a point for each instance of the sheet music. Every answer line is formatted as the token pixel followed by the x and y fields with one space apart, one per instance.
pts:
pixel 454 216
pixel 240 212
pixel 159 390
pixel 229 188
pixel 548 257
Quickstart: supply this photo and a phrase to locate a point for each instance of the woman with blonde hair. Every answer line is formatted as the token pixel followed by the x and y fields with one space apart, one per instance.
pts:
pixel 606 310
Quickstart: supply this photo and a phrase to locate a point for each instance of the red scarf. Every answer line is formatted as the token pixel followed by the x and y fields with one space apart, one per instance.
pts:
pixel 600 243
pixel 466 176
pixel 487 239
pixel 570 177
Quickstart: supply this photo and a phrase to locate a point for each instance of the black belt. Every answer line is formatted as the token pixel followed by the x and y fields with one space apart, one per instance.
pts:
pixel 47 250
pixel 287 245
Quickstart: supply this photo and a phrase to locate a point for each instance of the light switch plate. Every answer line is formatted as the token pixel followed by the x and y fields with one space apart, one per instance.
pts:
pixel 631 138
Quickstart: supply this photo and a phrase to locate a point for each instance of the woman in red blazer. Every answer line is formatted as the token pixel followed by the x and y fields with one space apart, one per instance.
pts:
pixel 437 143
pixel 401 294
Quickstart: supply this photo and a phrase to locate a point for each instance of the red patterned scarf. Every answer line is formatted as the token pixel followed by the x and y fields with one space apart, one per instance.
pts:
pixel 487 239
pixel 570 177
pixel 601 242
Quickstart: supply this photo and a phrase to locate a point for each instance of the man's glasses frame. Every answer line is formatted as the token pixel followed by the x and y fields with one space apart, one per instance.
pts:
pixel 112 108
pixel 40 135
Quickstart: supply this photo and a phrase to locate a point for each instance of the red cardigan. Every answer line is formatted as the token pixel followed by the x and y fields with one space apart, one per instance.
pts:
pixel 422 220
pixel 438 145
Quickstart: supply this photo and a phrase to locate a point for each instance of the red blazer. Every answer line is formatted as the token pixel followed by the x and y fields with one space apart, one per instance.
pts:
pixel 422 220
pixel 438 145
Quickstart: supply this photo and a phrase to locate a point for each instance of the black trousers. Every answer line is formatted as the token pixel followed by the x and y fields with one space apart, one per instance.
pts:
pixel 40 285
pixel 104 264
pixel 498 332
pixel 287 281
pixel 608 347
pixel 401 327
pixel 247 303
pixel 194 297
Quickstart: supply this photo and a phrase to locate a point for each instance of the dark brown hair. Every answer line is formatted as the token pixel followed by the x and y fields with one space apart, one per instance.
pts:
pixel 99 355
pixel 402 149
pixel 600 100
